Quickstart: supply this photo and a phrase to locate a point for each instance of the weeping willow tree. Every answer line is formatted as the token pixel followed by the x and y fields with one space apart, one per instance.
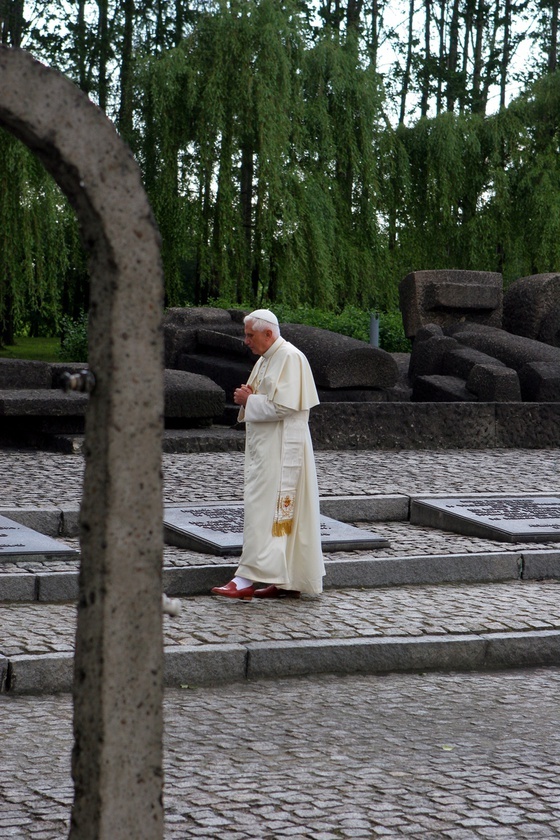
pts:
pixel 533 176
pixel 274 174
pixel 468 192
pixel 258 150
pixel 38 244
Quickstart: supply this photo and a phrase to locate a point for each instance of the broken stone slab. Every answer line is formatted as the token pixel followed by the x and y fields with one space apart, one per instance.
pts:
pixel 217 528
pixel 514 351
pixel 189 395
pixel 181 326
pixel 540 382
pixel 338 361
pixel 460 361
pixel 461 295
pixel 532 308
pixel 224 342
pixel 22 374
pixel 441 389
pixel 42 402
pixel 444 296
pixel 490 383
pixel 178 340
pixel 228 374
pixel 550 328
pixel 428 354
pixel 189 316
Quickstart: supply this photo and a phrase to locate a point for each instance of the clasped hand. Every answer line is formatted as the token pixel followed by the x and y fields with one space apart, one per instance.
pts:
pixel 241 394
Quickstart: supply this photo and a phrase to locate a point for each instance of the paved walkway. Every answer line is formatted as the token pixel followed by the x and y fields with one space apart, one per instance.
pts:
pixel 487 603
pixel 457 752
pixel 44 479
pixel 427 756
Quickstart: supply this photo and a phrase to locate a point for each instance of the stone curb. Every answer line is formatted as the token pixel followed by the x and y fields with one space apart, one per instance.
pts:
pixel 222 664
pixel 50 587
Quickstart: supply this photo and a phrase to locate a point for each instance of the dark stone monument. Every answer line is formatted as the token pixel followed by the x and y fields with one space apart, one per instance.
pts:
pixel 447 295
pixel 191 399
pixel 514 351
pixel 438 388
pixel 540 381
pixel 338 361
pixel 492 383
pixel 532 308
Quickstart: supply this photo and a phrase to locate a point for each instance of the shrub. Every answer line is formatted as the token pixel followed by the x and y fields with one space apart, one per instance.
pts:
pixel 74 339
pixel 351 321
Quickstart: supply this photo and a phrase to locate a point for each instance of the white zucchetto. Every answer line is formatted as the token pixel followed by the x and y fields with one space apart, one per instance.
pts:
pixel 263 315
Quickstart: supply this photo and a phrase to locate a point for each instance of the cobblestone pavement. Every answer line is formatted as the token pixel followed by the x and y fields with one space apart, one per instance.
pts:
pixel 429 756
pixel 458 756
pixel 38 628
pixel 404 540
pixel 38 479
pixel 46 479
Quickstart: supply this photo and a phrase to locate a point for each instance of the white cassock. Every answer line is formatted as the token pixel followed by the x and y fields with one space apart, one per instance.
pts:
pixel 282 533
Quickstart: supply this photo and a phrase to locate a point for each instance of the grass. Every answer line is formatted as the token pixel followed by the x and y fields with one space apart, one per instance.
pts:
pixel 38 349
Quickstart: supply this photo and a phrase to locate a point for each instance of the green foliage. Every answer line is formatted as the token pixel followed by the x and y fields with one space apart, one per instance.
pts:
pixel 258 154
pixel 273 171
pixel 351 321
pixel 36 250
pixel 391 333
pixel 74 339
pixel 37 349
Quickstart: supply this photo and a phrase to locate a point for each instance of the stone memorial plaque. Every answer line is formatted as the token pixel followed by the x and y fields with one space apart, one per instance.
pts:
pixel 217 528
pixel 506 518
pixel 18 540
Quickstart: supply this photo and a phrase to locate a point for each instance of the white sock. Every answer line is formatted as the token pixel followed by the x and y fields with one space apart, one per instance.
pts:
pixel 241 582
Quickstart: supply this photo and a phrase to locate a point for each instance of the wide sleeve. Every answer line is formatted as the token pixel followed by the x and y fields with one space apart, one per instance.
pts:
pixel 259 409
pixel 293 385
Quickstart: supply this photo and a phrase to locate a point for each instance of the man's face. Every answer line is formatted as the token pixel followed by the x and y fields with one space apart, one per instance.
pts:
pixel 258 341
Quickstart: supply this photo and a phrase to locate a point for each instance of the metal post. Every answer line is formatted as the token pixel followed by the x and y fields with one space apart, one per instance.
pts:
pixel 374 329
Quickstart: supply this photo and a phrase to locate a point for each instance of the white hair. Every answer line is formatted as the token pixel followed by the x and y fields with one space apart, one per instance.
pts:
pixel 260 325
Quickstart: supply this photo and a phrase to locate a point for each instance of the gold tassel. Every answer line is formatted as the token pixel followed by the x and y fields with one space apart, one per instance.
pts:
pixel 282 529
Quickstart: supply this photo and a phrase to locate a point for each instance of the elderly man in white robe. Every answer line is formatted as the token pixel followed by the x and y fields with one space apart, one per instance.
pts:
pixel 281 533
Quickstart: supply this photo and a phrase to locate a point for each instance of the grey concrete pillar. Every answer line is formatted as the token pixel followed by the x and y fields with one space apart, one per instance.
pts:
pixel 117 760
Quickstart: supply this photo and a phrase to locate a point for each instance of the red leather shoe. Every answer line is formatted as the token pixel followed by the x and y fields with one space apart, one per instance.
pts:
pixel 230 590
pixel 273 592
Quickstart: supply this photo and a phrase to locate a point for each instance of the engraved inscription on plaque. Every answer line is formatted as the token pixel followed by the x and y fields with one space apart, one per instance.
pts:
pixel 16 540
pixel 507 518
pixel 218 529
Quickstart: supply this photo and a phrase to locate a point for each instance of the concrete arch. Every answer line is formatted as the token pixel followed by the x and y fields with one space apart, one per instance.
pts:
pixel 119 653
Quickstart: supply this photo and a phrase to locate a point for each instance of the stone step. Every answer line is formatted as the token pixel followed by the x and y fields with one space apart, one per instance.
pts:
pixel 414 555
pixel 218 640
pixel 54 582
